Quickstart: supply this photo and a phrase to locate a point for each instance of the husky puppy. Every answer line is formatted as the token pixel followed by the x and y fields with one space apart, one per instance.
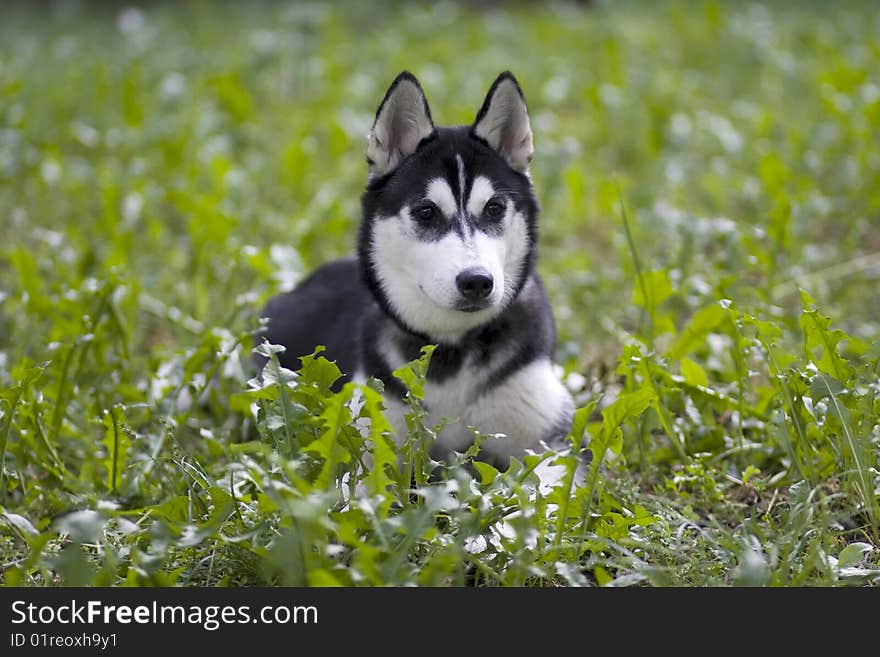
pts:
pixel 446 256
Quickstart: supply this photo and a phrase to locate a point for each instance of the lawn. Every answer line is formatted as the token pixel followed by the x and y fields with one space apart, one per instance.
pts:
pixel 709 176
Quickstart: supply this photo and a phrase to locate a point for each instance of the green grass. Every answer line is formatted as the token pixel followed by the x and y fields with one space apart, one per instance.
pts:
pixel 710 239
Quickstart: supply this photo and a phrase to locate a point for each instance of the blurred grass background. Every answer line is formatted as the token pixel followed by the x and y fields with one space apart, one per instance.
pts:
pixel 166 167
pixel 201 145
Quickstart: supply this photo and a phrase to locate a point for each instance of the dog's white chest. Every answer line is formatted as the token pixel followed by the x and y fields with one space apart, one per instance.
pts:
pixel 454 399
pixel 526 407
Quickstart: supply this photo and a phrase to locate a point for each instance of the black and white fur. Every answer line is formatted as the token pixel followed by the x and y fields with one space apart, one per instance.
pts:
pixel 446 256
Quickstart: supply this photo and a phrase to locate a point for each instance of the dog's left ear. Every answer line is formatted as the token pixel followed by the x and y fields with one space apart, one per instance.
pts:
pixel 503 122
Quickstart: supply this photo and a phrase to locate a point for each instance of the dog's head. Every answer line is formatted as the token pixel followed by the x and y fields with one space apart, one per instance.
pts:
pixel 449 228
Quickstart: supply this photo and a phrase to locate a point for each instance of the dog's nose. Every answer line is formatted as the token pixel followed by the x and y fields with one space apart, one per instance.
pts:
pixel 475 284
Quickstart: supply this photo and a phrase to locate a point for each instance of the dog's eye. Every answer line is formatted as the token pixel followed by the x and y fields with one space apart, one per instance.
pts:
pixel 425 213
pixel 494 209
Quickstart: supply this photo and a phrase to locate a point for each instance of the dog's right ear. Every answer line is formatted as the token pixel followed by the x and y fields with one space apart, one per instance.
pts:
pixel 402 121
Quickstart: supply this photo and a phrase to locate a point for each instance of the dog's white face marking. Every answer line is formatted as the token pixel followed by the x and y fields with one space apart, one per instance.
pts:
pixel 517 245
pixel 440 194
pixel 481 192
pixel 418 275
pixel 462 180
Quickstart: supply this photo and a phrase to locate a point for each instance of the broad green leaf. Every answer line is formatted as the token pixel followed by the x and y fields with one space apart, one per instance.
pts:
pixel 330 445
pixel 579 424
pixel 323 578
pixel 73 566
pixel 240 402
pixel 174 509
pixel 822 386
pixel 384 457
pixel 750 472
pixel 413 373
pixel 628 405
pixel 223 506
pixel 872 353
pixel 821 344
pixel 658 288
pixel 601 575
pixel 487 472
pixel 774 173
pixel 693 336
pixel 693 374
pixel 615 442
pixel 319 371
pixel 769 332
pixel 853 554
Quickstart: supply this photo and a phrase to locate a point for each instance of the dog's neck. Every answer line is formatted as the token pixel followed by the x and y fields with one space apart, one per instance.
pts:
pixel 447 341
